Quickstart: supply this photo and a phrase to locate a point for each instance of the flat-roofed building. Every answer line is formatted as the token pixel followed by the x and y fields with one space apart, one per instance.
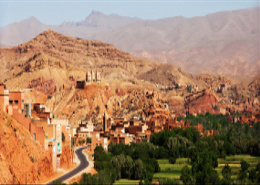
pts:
pixel 4 98
pixel 16 99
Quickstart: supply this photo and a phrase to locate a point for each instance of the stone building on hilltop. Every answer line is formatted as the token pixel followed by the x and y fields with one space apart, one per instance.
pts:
pixel 91 76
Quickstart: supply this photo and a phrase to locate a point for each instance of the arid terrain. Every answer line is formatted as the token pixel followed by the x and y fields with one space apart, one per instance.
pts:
pixel 51 63
pixel 22 159
pixel 223 43
pixel 155 72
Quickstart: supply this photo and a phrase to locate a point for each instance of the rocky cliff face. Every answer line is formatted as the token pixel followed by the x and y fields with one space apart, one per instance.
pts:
pixel 22 159
pixel 144 103
pixel 202 102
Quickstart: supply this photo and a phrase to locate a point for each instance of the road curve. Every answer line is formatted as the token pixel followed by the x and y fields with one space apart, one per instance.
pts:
pixel 83 164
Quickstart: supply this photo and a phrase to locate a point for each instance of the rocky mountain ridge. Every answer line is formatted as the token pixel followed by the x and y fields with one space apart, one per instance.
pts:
pixel 224 43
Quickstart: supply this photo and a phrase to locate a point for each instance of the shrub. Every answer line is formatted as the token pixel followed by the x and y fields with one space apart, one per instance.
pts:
pixel 186 175
pixel 63 137
pixel 252 175
pixel 89 140
pixel 226 172
pixel 31 157
pixel 242 175
pixel 244 165
pixel 172 160
pixel 58 182
pixel 257 168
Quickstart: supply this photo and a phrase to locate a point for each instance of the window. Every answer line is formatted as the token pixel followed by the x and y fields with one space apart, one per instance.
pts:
pixel 100 144
pixel 96 144
pixel 11 102
pixel 34 136
pixel 16 101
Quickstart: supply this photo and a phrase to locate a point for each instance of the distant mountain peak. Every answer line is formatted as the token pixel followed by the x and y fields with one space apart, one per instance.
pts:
pixel 32 19
pixel 95 13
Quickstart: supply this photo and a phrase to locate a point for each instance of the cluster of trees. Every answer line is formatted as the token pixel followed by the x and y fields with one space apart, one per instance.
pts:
pixel 242 138
pixel 84 141
pixel 135 161
pixel 204 151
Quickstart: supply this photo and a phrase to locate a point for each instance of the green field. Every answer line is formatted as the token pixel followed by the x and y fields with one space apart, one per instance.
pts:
pixel 126 181
pixel 170 170
pixel 174 170
pixel 234 163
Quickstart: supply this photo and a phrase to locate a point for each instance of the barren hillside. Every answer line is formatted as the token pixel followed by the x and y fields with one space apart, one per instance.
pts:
pixel 53 56
pixel 22 159
pixel 224 43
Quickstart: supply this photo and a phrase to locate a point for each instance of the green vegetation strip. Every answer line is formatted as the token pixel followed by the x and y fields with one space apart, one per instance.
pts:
pixel 126 181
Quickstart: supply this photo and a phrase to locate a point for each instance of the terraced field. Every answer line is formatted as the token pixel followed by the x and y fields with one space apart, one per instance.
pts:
pixel 171 170
pixel 174 170
pixel 234 163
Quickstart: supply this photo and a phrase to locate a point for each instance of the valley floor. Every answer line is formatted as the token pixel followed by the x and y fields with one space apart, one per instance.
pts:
pixel 174 170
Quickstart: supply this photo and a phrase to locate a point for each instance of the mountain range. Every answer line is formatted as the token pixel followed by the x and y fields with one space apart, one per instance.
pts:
pixel 224 43
pixel 50 65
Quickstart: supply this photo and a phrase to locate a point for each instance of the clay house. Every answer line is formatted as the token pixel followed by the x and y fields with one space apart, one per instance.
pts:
pixel 148 134
pixel 12 102
pixel 82 135
pixel 53 129
pixel 134 122
pixel 46 131
pixel 199 127
pixel 73 131
pixel 117 120
pixel 4 97
pixel 210 133
pixel 135 129
pixel 98 140
pixel 91 76
pixel 222 87
pixel 121 138
pixel 157 129
pixel 80 84
pixel 140 137
pixel 87 128
pixel 16 99
pixel 84 131
pixel 117 128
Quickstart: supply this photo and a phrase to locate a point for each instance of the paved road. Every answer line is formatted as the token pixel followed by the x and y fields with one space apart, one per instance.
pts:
pixel 83 164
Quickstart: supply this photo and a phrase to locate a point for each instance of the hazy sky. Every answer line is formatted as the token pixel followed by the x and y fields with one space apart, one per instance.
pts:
pixel 57 11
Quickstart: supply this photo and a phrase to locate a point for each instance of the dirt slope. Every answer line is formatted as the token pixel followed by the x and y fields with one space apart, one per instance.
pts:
pixel 21 158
